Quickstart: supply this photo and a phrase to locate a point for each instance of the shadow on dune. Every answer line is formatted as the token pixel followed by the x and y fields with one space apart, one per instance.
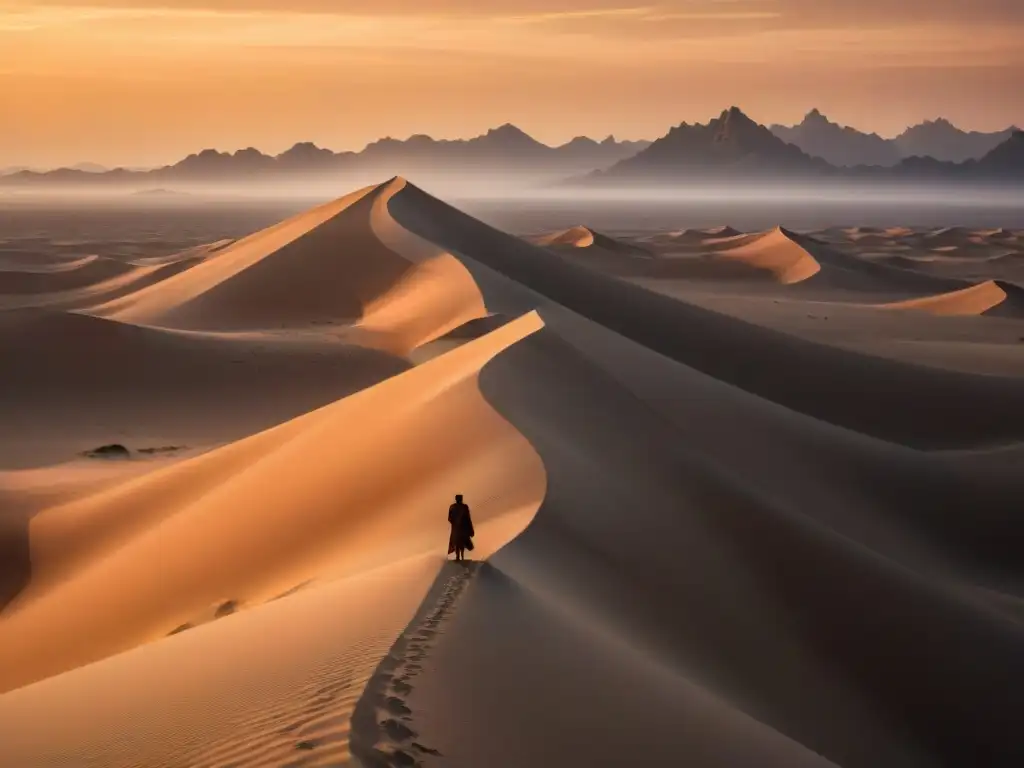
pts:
pixel 322 266
pixel 896 401
pixel 102 379
pixel 92 270
pixel 993 298
pixel 718 578
pixel 863 656
pixel 15 560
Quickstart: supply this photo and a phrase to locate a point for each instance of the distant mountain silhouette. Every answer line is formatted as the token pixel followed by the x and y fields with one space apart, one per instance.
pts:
pixel 305 156
pixel 83 167
pixel 942 140
pixel 498 145
pixel 1006 158
pixel 730 145
pixel 733 147
pixel 845 146
pixel 505 150
pixel 1002 165
pixel 839 145
pixel 90 168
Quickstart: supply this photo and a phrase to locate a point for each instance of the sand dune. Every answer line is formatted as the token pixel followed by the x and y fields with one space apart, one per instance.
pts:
pixel 261 687
pixel 583 574
pixel 990 297
pixel 776 252
pixel 785 257
pixel 186 255
pixel 694 236
pixel 80 273
pixel 869 238
pixel 351 477
pixel 726 241
pixel 577 237
pixel 587 239
pixel 946 236
pixel 106 381
pixel 46 264
pixel 329 266
pixel 796 258
pixel 133 279
pixel 871 395
pixel 723 231
pixel 712 542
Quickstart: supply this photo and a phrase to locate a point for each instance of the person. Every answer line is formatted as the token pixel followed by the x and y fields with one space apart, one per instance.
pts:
pixel 462 534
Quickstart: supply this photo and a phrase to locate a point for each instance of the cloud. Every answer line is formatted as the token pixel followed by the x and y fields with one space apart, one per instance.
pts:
pixel 681 33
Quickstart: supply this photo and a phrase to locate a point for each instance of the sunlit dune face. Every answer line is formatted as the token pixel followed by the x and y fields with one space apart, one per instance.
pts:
pixel 143 81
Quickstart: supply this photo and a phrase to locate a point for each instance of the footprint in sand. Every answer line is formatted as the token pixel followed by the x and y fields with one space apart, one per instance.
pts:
pixel 392 744
pixel 396 707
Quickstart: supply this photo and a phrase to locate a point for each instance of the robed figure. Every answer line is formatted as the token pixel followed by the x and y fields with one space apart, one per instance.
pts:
pixel 462 534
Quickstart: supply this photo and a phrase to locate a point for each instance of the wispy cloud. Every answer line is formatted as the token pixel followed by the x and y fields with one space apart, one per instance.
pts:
pixel 690 31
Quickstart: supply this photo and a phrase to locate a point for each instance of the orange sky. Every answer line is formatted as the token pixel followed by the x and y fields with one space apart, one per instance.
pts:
pixel 147 81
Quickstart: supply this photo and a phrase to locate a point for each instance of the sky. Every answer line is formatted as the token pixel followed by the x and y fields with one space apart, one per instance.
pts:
pixel 145 82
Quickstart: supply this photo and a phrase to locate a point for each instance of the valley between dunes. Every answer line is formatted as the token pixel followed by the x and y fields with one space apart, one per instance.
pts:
pixel 707 534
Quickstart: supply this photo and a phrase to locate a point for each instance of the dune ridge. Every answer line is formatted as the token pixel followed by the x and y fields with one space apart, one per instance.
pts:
pixel 186 515
pixel 864 393
pixel 574 576
pixel 219 294
pixel 777 255
pixel 776 252
pixel 329 266
pixel 989 297
pixel 718 543
pixel 588 239
pixel 108 381
pixel 577 237
pixel 795 258
pixel 80 273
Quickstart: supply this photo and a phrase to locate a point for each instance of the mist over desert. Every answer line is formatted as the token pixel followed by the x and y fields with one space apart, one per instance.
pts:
pixel 743 496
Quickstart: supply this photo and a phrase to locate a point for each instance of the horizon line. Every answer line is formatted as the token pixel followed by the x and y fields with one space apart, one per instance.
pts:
pixel 15 167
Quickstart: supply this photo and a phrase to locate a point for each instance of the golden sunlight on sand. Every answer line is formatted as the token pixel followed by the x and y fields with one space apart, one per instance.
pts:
pixel 711 528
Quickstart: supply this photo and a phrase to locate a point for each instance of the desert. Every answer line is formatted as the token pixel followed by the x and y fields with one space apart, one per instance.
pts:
pixel 742 496
pixel 512 384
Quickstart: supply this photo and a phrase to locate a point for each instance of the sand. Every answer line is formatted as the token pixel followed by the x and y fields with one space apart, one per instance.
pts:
pixel 710 531
pixel 989 297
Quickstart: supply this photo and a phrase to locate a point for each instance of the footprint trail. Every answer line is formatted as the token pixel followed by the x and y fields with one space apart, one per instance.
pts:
pixel 384 731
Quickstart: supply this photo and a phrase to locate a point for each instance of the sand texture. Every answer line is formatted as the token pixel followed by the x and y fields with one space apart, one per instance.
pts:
pixel 740 498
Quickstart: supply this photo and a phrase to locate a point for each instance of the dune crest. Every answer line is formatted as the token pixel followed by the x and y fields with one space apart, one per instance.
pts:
pixel 106 381
pixel 776 252
pixel 585 238
pixel 577 237
pixel 344 264
pixel 234 288
pixel 65 276
pixel 991 296
pixel 323 495
pixel 714 540
pixel 435 296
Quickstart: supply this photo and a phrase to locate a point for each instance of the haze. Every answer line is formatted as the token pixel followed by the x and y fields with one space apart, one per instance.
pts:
pixel 136 82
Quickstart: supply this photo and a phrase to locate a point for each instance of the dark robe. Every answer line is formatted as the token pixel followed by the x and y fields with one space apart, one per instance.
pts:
pixel 462 527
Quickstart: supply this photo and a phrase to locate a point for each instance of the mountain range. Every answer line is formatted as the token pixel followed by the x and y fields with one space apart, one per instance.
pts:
pixel 83 167
pixel 731 146
pixel 505 150
pixel 842 145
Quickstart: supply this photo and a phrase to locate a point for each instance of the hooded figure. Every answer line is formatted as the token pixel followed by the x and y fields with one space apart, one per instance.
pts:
pixel 462 534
